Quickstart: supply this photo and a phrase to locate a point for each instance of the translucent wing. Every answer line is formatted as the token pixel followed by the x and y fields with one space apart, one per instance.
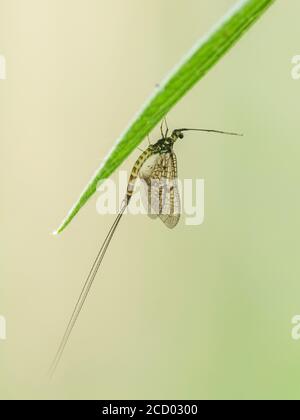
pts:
pixel 171 206
pixel 150 171
pixel 163 200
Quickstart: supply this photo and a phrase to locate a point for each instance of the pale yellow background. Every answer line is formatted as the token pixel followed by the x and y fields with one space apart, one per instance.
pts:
pixel 198 312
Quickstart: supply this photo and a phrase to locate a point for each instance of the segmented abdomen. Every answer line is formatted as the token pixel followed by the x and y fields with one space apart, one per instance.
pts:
pixel 135 173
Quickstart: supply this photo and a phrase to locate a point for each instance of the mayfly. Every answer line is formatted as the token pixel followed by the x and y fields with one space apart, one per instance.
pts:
pixel 157 167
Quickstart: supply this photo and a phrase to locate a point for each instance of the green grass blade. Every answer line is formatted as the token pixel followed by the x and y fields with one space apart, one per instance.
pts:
pixel 193 67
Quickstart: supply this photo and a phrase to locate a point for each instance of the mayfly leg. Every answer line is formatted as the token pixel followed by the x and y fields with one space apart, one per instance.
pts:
pixel 95 267
pixel 167 127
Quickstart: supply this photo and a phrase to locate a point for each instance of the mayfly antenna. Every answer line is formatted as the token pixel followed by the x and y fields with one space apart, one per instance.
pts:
pixel 228 133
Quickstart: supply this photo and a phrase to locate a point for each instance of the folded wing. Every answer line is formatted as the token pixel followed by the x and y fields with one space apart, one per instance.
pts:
pixel 163 199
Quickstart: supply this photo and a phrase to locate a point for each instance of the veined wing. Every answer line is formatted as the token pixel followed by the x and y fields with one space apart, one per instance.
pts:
pixel 151 170
pixel 171 206
pixel 163 197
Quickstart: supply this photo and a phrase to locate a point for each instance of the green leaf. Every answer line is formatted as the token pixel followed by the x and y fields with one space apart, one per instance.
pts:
pixel 190 70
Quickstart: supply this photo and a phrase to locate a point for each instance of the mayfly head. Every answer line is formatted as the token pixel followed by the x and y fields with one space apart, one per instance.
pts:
pixel 177 134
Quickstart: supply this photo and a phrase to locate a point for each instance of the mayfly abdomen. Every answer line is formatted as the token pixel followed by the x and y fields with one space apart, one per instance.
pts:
pixel 135 172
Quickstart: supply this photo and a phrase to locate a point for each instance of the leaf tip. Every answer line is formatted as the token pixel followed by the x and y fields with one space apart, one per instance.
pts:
pixel 59 230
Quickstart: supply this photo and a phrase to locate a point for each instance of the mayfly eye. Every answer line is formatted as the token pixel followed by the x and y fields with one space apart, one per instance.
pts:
pixel 181 135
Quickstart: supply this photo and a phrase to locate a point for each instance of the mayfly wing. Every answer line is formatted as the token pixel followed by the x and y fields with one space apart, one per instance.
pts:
pixel 152 177
pixel 97 263
pixel 171 205
pixel 150 171
pixel 162 189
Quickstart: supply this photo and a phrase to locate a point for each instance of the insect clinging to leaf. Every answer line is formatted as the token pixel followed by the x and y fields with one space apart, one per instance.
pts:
pixel 157 167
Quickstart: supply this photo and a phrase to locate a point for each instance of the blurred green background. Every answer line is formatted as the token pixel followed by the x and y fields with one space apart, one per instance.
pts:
pixel 198 312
